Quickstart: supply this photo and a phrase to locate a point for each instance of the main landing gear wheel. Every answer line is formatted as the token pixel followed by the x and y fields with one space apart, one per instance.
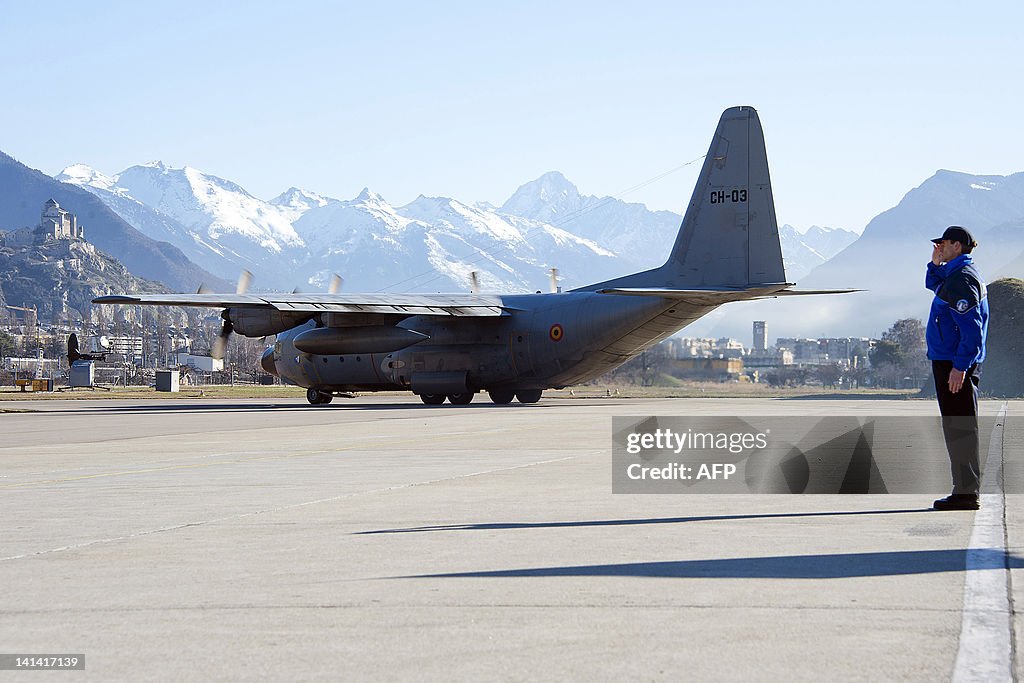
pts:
pixel 317 397
pixel 501 396
pixel 529 395
pixel 460 399
pixel 432 399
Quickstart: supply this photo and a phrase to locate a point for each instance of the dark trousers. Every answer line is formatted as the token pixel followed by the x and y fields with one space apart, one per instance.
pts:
pixel 960 425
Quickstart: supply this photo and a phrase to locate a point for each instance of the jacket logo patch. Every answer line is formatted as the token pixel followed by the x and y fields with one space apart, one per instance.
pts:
pixel 962 305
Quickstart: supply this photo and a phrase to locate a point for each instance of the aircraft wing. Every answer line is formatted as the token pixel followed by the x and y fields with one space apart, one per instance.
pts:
pixel 457 305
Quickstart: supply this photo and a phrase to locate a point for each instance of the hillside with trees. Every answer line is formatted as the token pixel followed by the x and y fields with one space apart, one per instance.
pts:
pixel 1003 371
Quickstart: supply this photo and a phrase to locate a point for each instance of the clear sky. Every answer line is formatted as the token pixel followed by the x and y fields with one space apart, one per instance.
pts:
pixel 860 101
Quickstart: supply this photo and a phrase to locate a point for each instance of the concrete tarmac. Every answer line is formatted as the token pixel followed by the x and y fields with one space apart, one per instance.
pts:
pixel 379 538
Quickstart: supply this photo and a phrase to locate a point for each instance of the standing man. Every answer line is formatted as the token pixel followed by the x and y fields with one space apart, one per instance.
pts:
pixel 957 326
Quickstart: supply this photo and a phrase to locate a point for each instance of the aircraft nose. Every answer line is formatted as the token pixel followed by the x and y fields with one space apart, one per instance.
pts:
pixel 267 361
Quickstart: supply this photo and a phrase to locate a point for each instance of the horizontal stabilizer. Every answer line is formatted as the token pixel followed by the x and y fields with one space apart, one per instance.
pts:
pixel 812 292
pixel 717 295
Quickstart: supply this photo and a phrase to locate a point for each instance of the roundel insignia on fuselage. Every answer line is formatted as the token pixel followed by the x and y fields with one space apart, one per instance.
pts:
pixel 556 332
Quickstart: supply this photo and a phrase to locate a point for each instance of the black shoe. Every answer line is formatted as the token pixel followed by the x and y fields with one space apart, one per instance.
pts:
pixel 957 501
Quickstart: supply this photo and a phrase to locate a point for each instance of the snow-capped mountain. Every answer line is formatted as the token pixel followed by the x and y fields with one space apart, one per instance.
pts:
pixel 431 244
pixel 435 243
pixel 295 202
pixel 629 230
pixel 503 247
pixel 211 219
pixel 635 233
pixel 159 226
pixel 224 208
pixel 23 191
pixel 803 252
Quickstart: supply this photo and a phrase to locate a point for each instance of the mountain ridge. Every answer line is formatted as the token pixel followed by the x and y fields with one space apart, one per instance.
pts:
pixel 23 191
pixel 588 237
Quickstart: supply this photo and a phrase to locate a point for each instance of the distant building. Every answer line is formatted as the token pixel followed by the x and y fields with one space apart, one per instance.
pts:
pixel 201 363
pixel 697 347
pixel 760 337
pixel 17 238
pixel 827 350
pixel 708 369
pixel 772 358
pixel 57 224
pixel 130 347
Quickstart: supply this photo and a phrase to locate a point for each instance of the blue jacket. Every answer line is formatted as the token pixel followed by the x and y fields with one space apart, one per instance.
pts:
pixel 958 321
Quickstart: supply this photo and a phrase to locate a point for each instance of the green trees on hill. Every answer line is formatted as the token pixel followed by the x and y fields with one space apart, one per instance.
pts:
pixel 901 357
pixel 7 345
pixel 1003 371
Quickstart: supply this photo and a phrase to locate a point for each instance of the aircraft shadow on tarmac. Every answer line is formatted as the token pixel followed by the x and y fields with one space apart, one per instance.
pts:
pixel 841 397
pixel 837 566
pixel 630 522
pixel 205 407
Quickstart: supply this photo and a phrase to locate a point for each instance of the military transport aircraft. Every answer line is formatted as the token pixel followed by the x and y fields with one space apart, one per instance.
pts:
pixel 450 346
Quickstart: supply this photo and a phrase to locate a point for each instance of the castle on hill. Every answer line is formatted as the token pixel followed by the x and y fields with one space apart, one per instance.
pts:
pixel 55 223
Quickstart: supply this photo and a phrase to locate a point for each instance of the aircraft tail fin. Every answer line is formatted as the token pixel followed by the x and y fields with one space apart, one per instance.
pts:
pixel 729 237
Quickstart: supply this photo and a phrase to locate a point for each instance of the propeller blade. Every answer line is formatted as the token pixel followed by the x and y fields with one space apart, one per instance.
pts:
pixel 244 280
pixel 220 344
pixel 554 281
pixel 335 285
pixel 474 282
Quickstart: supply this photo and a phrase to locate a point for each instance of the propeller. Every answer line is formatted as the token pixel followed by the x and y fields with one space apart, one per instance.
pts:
pixel 220 345
pixel 474 282
pixel 244 280
pixel 555 289
pixel 335 285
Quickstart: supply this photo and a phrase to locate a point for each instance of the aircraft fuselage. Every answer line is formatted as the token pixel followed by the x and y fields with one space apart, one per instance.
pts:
pixel 545 341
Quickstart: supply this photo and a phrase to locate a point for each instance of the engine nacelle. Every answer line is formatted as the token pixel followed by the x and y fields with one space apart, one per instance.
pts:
pixel 267 361
pixel 261 322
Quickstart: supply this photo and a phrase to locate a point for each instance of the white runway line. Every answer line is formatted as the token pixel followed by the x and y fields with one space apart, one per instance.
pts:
pixel 986 632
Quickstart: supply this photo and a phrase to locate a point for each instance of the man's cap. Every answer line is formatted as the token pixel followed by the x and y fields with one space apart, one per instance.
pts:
pixel 955 233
